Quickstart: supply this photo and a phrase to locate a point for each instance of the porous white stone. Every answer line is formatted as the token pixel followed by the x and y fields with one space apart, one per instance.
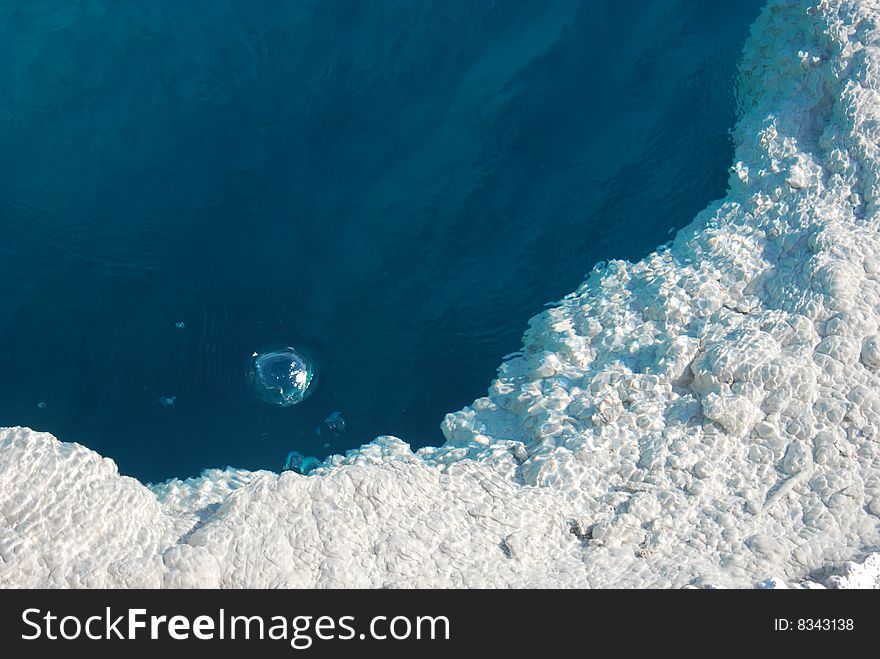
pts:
pixel 706 416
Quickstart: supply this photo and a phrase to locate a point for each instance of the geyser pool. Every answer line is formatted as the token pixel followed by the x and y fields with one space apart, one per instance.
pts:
pixel 398 187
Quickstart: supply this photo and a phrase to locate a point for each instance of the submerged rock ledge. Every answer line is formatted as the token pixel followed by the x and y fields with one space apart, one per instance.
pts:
pixel 709 415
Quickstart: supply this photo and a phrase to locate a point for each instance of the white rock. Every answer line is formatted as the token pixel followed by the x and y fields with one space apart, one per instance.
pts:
pixel 707 415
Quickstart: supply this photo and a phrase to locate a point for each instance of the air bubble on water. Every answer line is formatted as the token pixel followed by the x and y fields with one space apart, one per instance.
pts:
pixel 281 377
pixel 335 423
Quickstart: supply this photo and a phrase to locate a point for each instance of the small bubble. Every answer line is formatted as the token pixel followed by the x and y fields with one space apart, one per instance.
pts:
pixel 335 423
pixel 281 377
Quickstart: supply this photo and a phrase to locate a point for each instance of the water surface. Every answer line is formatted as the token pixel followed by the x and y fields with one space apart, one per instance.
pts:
pixel 394 187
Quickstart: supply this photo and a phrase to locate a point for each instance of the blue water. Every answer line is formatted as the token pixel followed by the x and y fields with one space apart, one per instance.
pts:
pixel 392 187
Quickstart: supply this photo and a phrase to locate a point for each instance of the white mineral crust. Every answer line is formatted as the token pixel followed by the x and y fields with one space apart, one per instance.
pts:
pixel 709 415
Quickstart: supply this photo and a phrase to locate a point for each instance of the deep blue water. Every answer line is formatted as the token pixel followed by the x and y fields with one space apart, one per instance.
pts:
pixel 395 187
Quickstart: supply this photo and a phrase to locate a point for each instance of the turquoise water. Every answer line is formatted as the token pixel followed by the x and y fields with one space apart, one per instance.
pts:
pixel 393 188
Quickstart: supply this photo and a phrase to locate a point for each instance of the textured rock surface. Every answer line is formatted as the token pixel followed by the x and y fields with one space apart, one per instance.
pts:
pixel 710 415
